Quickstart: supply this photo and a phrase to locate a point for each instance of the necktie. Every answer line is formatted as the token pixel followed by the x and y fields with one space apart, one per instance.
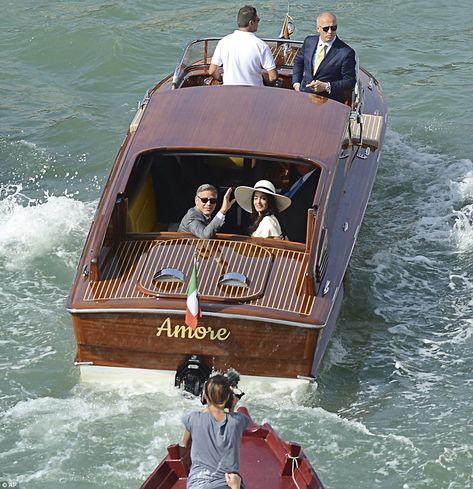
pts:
pixel 320 55
pixel 296 186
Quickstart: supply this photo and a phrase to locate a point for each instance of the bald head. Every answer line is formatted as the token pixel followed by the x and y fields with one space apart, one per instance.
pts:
pixel 326 17
pixel 327 26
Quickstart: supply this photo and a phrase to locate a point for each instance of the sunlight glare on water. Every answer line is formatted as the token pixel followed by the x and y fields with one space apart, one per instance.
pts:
pixel 392 406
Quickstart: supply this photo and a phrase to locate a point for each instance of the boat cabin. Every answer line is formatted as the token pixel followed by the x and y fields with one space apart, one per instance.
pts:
pixel 269 305
pixel 162 186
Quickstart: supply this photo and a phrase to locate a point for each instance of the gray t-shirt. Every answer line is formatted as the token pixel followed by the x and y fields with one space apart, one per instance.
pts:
pixel 215 447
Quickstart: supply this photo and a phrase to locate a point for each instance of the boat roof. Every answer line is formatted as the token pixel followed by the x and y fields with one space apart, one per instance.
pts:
pixel 239 119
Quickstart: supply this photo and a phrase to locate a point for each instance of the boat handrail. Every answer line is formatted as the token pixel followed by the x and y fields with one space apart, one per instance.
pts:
pixel 357 99
pixel 357 93
pixel 205 54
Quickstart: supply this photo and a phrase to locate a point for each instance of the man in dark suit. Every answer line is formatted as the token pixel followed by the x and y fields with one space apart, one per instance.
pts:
pixel 294 219
pixel 198 220
pixel 325 65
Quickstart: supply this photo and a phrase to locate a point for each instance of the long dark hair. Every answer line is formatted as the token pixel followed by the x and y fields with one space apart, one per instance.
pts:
pixel 256 218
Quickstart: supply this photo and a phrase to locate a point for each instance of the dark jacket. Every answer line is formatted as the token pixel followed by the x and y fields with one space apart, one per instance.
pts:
pixel 294 218
pixel 338 67
pixel 196 223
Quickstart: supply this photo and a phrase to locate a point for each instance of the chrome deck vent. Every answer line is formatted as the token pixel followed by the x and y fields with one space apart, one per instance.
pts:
pixel 169 275
pixel 233 279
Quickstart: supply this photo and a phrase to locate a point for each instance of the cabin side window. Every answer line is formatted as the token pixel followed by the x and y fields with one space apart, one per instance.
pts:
pixel 326 230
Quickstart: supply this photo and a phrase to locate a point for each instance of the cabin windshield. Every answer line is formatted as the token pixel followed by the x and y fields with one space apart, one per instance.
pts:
pixel 196 53
pixel 199 54
pixel 162 187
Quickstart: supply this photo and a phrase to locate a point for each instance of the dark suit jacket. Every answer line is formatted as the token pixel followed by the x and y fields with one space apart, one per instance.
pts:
pixel 196 223
pixel 338 67
pixel 294 219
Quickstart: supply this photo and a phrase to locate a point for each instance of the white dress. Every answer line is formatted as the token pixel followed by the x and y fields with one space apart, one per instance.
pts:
pixel 269 227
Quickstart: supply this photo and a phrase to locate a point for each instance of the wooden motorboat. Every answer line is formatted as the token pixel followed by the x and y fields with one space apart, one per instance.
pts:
pixel 268 306
pixel 266 462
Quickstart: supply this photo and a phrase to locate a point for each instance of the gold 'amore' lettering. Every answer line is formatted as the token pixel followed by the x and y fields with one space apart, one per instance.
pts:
pixel 199 333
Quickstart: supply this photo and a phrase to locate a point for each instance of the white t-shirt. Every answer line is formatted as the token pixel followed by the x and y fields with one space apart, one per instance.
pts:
pixel 243 56
pixel 269 227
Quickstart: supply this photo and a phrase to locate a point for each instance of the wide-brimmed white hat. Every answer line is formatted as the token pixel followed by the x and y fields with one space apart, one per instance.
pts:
pixel 244 195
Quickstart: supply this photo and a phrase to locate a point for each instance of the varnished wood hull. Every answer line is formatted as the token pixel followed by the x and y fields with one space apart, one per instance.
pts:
pixel 163 342
pixel 280 322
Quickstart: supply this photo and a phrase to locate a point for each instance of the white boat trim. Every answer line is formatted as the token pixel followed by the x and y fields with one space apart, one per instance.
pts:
pixel 180 312
pixel 90 373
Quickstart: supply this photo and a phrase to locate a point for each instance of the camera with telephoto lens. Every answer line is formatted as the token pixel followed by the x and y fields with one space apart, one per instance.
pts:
pixel 233 378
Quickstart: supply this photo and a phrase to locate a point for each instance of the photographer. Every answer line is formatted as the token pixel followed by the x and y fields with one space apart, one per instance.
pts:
pixel 213 437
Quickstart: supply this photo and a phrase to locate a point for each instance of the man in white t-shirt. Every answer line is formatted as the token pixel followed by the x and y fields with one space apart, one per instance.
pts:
pixel 243 55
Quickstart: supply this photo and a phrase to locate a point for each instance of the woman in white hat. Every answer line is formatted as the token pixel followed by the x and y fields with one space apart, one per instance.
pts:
pixel 264 205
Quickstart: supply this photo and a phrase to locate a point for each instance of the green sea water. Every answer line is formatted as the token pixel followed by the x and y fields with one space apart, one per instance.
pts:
pixel 392 408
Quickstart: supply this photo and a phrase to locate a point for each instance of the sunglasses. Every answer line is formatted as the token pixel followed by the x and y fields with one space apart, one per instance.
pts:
pixel 204 200
pixel 333 28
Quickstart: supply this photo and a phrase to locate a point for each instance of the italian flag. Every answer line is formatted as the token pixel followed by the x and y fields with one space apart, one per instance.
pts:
pixel 193 312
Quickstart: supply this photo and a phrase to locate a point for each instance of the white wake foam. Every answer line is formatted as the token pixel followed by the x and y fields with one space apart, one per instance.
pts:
pixel 33 228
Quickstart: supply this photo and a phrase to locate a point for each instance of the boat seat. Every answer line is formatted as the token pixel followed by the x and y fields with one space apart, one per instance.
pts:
pixel 370 130
pixel 173 226
pixel 141 216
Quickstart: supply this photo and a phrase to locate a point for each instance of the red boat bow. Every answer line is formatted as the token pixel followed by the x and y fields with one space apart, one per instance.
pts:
pixel 267 462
